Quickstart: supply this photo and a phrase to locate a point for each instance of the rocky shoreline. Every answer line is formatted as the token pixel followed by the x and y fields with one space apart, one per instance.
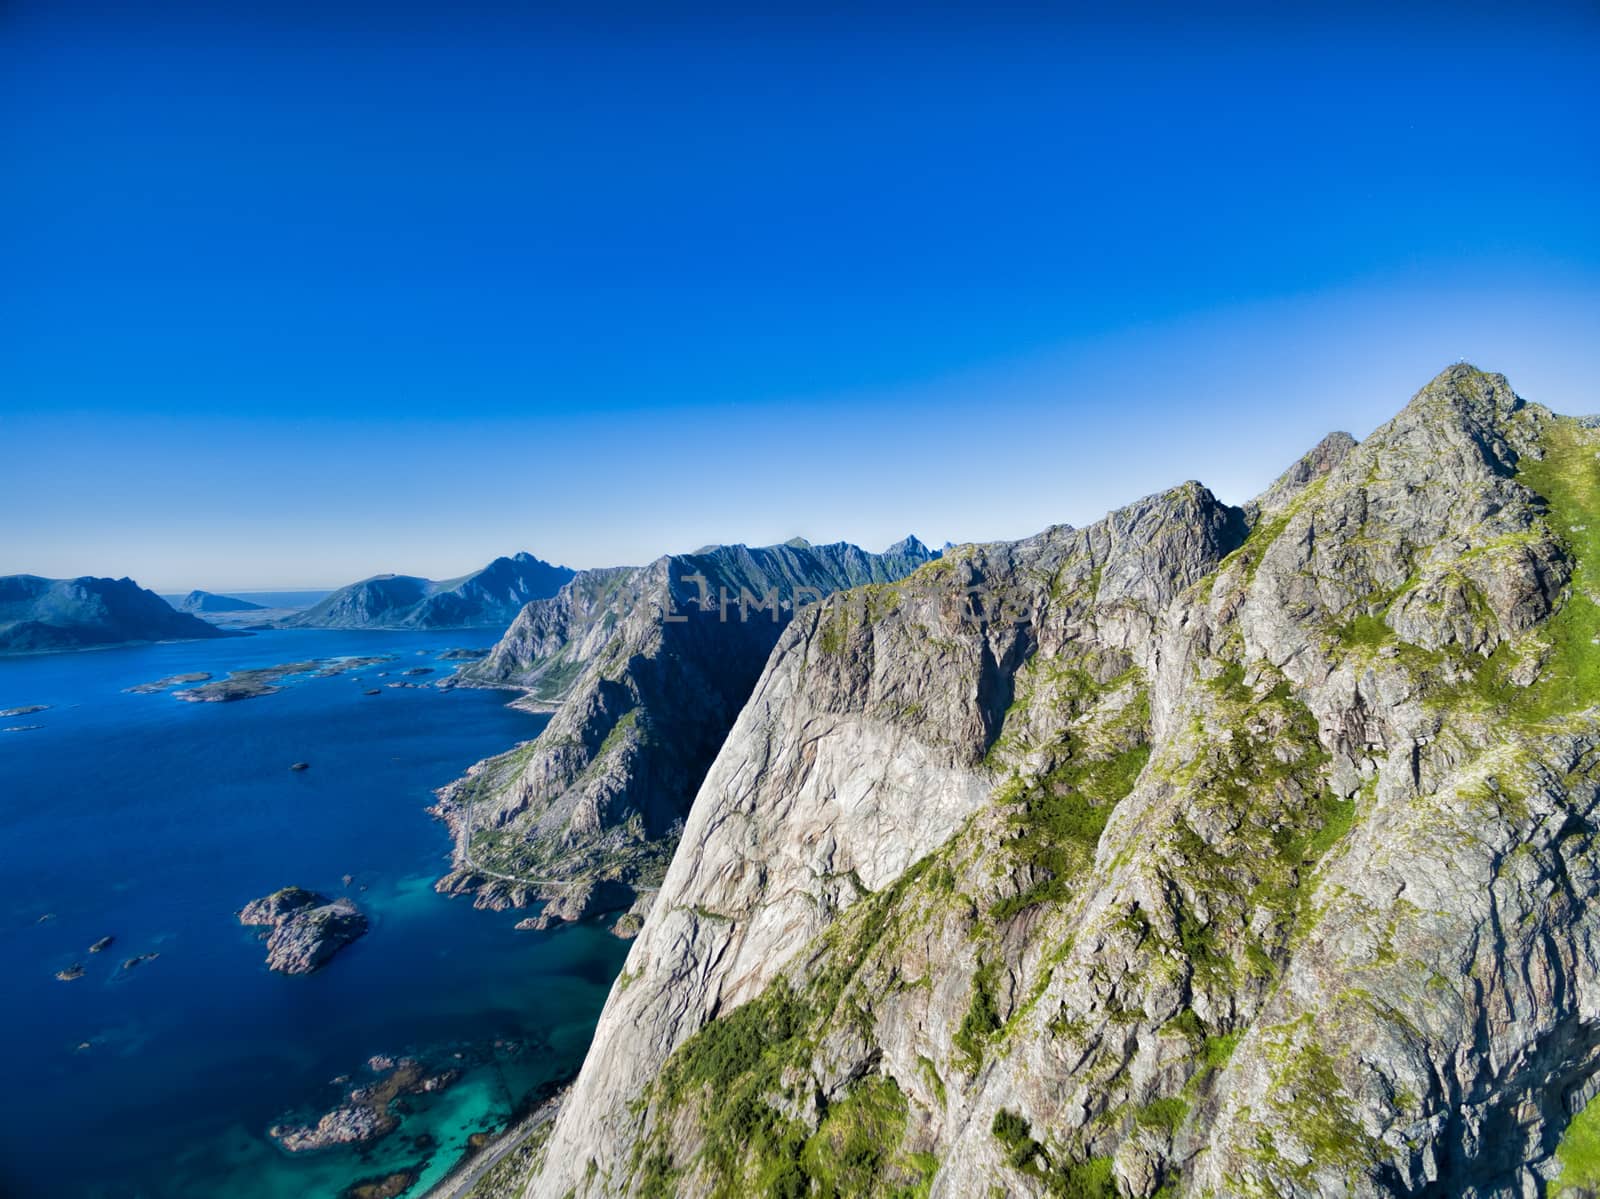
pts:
pixel 365 1112
pixel 499 1166
pixel 172 680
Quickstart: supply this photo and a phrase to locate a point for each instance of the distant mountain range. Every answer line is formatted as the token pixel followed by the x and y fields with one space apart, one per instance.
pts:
pixel 489 597
pixel 50 614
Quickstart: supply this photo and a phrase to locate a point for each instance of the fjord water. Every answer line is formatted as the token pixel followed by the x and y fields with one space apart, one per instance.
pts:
pixel 154 820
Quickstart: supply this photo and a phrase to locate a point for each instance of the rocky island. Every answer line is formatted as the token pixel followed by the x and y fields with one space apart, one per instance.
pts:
pixel 307 929
pixel 384 1186
pixel 172 680
pixel 258 681
pixel 202 602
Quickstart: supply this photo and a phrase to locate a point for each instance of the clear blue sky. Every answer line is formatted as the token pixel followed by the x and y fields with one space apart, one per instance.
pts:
pixel 291 294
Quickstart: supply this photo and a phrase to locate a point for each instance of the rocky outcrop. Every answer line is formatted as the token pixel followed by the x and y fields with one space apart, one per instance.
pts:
pixel 580 900
pixel 307 928
pixel 39 614
pixel 650 668
pixel 551 640
pixel 366 1112
pixel 1202 851
pixel 490 597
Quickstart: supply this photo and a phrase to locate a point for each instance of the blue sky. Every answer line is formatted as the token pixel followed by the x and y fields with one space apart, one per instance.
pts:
pixel 295 294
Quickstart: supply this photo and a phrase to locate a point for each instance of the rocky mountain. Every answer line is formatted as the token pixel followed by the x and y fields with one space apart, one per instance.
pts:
pixel 1203 851
pixel 647 667
pixel 491 596
pixel 205 601
pixel 50 614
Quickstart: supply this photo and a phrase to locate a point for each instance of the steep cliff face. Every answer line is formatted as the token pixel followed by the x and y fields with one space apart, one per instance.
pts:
pixel 1213 852
pixel 48 614
pixel 650 668
pixel 488 597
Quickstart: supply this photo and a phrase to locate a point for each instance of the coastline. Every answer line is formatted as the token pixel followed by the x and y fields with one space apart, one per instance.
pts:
pixel 374 766
pixel 499 1165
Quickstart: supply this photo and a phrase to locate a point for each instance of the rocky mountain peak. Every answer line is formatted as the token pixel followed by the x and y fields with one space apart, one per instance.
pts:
pixel 908 547
pixel 1314 464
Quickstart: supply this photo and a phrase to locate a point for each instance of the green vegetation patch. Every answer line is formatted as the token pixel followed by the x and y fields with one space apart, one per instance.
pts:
pixel 1314 1106
pixel 556 678
pixel 1163 1114
pixel 1061 813
pixel 1579 1153
pixel 1016 1134
pixel 855 1148
pixel 1568 477
pixel 733 1069
pixel 982 1020
pixel 1261 537
pixel 1567 679
pixel 619 733
pixel 1066 1179
pixel 731 1075
pixel 1365 632
pixel 736 1044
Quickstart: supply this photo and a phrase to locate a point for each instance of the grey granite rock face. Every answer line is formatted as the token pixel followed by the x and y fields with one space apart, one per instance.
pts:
pixel 650 668
pixel 1245 865
pixel 862 751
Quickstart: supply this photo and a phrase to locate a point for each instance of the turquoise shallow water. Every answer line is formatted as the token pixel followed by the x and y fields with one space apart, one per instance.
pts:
pixel 154 820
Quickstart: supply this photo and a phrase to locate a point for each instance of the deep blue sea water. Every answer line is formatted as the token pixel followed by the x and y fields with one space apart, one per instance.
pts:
pixel 154 820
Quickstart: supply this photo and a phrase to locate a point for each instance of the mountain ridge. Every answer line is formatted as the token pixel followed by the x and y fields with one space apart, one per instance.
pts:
pixel 1257 862
pixel 39 615
pixel 646 669
pixel 484 598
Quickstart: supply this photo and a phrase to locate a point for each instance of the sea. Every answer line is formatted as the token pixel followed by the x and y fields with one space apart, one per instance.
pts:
pixel 152 821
